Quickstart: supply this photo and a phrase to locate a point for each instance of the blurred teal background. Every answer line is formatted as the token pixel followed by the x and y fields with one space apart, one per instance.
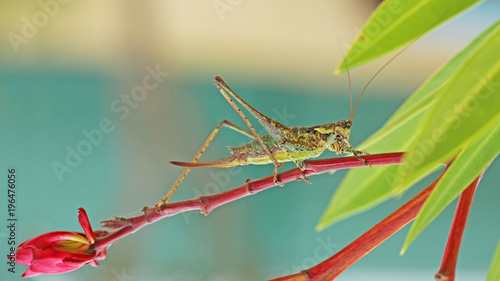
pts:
pixel 75 69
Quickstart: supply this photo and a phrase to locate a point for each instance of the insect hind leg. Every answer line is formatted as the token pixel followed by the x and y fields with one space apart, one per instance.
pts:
pixel 264 120
pixel 224 123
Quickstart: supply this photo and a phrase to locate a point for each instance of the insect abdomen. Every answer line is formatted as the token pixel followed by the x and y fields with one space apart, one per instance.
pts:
pixel 230 161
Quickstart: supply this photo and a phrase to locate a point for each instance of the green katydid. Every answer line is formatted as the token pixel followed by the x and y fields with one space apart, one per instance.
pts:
pixel 280 144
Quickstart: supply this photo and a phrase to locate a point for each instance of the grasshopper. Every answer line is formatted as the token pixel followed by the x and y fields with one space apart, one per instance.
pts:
pixel 280 144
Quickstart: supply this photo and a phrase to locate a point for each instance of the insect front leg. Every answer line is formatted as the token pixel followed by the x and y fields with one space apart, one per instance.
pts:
pixel 357 153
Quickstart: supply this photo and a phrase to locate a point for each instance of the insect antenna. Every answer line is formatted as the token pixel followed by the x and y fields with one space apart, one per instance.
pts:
pixel 350 88
pixel 348 76
pixel 371 79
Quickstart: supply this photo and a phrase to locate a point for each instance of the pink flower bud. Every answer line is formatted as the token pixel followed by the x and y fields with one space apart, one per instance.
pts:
pixel 61 251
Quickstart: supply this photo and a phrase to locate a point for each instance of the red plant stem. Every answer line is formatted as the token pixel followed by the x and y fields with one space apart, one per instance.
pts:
pixel 333 266
pixel 449 262
pixel 206 204
pixel 336 264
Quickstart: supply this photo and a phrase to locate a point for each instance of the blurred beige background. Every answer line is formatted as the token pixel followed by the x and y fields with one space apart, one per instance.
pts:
pixel 259 39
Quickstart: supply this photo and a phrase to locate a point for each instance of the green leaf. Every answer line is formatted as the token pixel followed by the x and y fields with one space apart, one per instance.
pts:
pixel 494 272
pixel 425 95
pixel 349 201
pixel 365 187
pixel 464 105
pixel 353 195
pixel 396 23
pixel 475 156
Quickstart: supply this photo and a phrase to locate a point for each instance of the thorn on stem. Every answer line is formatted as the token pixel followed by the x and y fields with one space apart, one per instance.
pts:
pixel 441 277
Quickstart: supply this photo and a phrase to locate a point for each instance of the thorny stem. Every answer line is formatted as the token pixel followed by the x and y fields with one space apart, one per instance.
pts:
pixel 333 266
pixel 206 204
pixel 449 262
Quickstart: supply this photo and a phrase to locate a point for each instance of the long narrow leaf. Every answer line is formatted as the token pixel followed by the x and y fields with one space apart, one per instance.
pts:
pixel 425 95
pixel 474 157
pixel 465 104
pixel 353 195
pixel 396 23
pixel 494 272
pixel 349 201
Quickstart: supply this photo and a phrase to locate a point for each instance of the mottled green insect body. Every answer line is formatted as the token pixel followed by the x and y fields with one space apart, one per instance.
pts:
pixel 280 144
pixel 332 136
